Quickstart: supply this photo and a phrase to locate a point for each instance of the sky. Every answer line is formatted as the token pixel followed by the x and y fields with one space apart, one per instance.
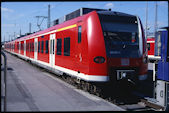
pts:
pixel 16 16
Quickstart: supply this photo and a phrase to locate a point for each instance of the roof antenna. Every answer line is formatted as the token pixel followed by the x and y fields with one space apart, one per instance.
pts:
pixel 109 9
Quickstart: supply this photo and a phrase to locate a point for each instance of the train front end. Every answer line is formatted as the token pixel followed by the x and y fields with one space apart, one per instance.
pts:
pixel 125 46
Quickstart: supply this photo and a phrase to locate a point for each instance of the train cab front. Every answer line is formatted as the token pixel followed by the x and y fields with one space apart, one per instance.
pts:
pixel 125 46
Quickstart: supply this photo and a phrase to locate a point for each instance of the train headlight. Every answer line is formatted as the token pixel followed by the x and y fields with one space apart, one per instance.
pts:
pixel 124 75
pixel 99 59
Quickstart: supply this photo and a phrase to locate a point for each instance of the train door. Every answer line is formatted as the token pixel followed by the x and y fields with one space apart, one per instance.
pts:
pixel 79 56
pixel 19 47
pixel 52 50
pixel 25 48
pixel 35 49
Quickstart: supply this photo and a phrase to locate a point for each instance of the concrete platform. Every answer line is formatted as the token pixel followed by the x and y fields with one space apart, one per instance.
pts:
pixel 31 89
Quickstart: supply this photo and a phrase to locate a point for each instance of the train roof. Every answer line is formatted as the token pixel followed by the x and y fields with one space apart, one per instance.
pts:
pixel 74 14
pixel 114 13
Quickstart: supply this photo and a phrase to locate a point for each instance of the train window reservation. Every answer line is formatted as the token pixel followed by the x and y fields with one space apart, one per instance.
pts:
pixel 47 44
pixel 38 47
pixel 79 34
pixel 42 46
pixel 59 46
pixel 67 46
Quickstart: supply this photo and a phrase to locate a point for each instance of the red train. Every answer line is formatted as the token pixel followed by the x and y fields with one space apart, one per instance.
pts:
pixel 95 46
pixel 151 49
pixel 151 46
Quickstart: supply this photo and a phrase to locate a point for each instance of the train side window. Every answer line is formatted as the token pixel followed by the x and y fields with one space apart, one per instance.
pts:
pixel 148 46
pixel 33 46
pixel 67 46
pixel 47 44
pixel 79 34
pixel 21 46
pixel 38 46
pixel 42 46
pixel 59 47
pixel 53 46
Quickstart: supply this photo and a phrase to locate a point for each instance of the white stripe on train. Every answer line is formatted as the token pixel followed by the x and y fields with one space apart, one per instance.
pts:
pixel 56 69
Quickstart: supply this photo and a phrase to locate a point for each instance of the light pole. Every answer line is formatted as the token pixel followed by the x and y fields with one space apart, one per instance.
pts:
pixel 146 19
pixel 155 24
pixel 48 24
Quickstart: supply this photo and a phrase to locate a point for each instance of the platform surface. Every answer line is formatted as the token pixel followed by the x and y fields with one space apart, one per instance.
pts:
pixel 32 89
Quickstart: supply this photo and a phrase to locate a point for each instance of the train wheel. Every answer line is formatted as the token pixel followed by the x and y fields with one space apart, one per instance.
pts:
pixel 85 86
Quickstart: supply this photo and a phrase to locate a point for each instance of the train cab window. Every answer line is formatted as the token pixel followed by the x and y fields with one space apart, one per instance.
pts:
pixel 59 47
pixel 67 46
pixel 42 44
pixel 47 46
pixel 79 34
pixel 38 47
